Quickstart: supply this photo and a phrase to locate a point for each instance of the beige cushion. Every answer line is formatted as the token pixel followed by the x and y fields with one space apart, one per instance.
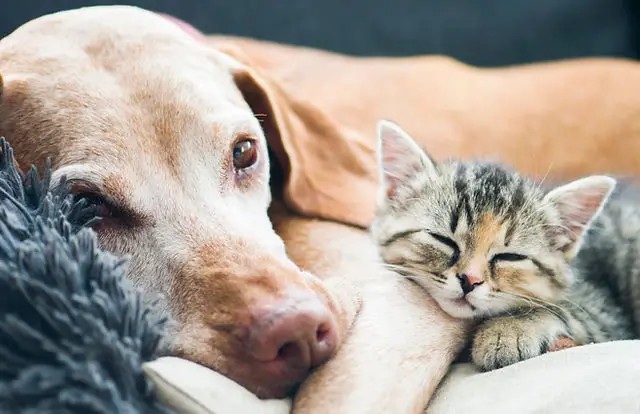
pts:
pixel 189 388
pixel 602 378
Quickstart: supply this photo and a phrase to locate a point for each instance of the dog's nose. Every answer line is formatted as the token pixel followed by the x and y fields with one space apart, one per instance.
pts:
pixel 294 335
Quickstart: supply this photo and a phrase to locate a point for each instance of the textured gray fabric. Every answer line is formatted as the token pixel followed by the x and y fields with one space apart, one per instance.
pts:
pixel 73 331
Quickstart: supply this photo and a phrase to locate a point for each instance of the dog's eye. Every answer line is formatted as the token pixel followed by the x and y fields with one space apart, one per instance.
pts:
pixel 100 209
pixel 245 154
pixel 103 209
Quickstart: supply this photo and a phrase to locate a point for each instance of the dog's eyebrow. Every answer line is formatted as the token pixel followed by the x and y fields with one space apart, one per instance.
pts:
pixel 87 179
pixel 77 172
pixel 236 123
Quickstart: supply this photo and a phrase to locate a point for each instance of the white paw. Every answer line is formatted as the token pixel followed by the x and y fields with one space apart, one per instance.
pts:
pixel 509 339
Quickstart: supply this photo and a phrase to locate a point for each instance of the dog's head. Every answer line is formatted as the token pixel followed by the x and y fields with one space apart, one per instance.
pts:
pixel 160 133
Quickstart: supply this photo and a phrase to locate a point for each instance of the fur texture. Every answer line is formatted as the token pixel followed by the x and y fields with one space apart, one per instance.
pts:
pixel 536 267
pixel 73 331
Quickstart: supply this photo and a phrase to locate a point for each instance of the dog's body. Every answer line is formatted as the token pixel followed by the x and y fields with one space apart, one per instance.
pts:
pixel 146 118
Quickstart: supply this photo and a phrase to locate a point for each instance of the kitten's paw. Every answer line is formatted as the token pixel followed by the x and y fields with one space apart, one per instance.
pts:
pixel 509 339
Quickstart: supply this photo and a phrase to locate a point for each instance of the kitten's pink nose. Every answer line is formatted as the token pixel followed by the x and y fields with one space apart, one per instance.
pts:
pixel 468 282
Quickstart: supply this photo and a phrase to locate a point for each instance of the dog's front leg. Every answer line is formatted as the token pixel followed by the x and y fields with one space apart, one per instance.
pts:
pixel 401 344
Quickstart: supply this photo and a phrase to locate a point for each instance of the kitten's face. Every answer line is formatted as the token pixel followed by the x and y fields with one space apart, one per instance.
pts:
pixel 480 239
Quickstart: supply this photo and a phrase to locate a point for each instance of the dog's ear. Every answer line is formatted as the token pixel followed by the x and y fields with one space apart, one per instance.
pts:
pixel 330 172
pixel 1 86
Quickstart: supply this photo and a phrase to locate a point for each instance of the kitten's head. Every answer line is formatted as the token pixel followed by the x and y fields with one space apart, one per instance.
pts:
pixel 481 239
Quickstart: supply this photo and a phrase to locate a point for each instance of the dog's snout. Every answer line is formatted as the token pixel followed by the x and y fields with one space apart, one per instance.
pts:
pixel 294 335
pixel 270 325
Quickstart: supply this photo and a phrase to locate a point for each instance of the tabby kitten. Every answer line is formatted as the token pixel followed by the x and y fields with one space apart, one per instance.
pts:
pixel 535 268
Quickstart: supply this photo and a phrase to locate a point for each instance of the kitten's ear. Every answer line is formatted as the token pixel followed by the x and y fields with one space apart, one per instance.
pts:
pixel 578 203
pixel 399 157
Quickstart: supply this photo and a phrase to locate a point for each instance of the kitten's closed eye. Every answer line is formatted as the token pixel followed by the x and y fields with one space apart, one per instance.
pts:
pixel 450 243
pixel 509 257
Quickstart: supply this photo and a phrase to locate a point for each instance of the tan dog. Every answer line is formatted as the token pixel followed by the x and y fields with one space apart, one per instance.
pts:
pixel 172 154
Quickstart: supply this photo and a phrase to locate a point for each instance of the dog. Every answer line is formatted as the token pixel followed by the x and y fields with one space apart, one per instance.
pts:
pixel 150 125
pixel 178 165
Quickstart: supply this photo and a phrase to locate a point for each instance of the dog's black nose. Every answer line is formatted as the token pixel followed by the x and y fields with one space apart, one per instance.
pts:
pixel 468 282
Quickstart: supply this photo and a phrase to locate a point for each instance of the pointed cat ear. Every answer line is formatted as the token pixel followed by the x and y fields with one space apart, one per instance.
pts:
pixel 578 203
pixel 399 157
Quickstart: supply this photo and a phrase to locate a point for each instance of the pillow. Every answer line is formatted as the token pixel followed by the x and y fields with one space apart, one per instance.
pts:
pixel 599 378
pixel 190 388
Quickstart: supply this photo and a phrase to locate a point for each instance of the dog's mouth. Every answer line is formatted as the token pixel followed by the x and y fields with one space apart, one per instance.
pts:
pixel 270 348
pixel 269 374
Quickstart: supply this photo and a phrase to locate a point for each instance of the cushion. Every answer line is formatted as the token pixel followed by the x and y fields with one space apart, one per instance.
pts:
pixel 599 378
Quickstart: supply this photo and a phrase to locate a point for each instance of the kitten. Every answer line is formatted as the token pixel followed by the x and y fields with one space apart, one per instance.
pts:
pixel 537 269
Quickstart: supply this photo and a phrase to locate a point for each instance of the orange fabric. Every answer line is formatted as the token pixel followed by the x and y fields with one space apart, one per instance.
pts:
pixel 564 119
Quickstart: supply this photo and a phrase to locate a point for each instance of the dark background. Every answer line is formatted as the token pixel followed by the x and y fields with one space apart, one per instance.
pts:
pixel 480 32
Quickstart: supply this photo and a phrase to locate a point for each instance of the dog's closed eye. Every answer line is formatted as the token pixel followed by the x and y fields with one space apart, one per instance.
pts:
pixel 109 213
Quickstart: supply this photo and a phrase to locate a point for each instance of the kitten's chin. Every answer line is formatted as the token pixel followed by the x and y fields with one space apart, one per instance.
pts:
pixel 458 308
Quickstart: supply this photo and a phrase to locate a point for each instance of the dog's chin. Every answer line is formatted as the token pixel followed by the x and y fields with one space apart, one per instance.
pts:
pixel 267 380
pixel 261 386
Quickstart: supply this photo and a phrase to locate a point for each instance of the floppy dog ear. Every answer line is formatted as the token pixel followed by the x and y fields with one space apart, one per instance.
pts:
pixel 329 171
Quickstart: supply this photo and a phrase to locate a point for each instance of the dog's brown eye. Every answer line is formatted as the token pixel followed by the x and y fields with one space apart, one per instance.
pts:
pixel 245 154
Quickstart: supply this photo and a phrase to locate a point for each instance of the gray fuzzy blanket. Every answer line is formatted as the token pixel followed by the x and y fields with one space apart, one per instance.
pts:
pixel 73 331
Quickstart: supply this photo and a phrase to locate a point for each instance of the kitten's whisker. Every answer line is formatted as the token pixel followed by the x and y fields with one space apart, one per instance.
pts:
pixel 541 182
pixel 401 269
pixel 548 306
pixel 414 274
pixel 576 305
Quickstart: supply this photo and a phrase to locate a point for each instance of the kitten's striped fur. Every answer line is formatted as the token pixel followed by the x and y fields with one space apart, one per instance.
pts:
pixel 535 267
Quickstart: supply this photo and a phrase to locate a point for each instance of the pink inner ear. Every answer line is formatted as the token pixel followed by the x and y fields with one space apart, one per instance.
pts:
pixel 400 157
pixel 398 165
pixel 398 161
pixel 578 211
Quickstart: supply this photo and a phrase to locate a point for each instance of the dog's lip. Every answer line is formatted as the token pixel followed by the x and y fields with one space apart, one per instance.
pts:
pixel 269 380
